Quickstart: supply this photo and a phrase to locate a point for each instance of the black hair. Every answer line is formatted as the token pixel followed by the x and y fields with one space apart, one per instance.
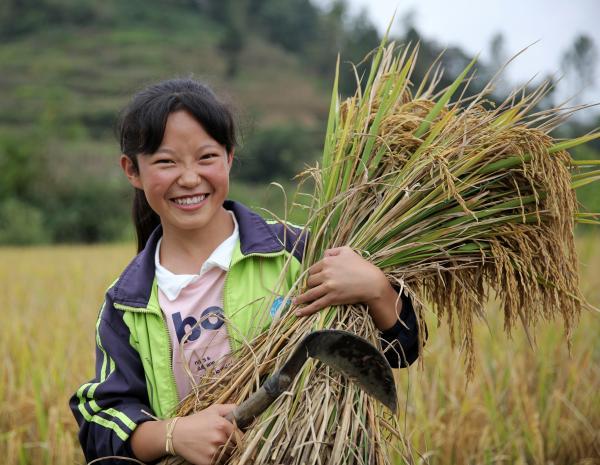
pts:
pixel 141 128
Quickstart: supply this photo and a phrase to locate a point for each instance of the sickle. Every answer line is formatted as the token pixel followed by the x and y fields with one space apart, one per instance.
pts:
pixel 343 351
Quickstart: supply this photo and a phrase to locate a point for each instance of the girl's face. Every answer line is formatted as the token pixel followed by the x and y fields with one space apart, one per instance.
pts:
pixel 187 179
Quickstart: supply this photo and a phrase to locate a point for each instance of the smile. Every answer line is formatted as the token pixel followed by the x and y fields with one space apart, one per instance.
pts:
pixel 196 199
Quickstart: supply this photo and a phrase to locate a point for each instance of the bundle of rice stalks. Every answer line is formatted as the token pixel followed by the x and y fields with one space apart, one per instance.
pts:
pixel 456 201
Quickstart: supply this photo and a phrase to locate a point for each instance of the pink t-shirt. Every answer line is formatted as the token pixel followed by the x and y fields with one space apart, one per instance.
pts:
pixel 193 308
pixel 197 329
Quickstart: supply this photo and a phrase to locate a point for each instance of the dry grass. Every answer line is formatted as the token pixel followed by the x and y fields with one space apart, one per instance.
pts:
pixel 522 406
pixel 51 297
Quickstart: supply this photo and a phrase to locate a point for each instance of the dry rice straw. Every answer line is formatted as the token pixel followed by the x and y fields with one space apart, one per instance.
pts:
pixel 455 201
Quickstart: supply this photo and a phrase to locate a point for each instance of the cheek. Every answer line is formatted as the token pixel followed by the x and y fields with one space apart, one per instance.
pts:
pixel 218 176
pixel 157 184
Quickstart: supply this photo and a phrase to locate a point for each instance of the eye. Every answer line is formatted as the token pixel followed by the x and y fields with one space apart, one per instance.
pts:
pixel 208 156
pixel 162 161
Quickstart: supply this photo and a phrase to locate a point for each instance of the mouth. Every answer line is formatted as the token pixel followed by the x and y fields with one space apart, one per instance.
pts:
pixel 189 200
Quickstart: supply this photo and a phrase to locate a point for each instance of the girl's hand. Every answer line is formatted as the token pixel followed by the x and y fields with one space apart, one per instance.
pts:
pixel 198 438
pixel 344 277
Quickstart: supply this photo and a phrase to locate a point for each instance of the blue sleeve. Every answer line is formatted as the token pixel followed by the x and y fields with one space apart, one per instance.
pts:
pixel 109 407
pixel 401 342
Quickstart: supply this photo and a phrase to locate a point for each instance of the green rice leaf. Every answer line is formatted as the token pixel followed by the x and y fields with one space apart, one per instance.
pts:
pixel 441 103
pixel 584 182
pixel 329 145
pixel 568 144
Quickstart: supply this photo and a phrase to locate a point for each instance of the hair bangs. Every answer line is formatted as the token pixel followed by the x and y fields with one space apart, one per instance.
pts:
pixel 142 124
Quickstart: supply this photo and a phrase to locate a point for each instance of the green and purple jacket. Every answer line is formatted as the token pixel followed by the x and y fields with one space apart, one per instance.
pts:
pixel 133 348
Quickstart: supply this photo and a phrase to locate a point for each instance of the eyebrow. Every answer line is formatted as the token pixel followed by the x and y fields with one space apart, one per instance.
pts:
pixel 202 147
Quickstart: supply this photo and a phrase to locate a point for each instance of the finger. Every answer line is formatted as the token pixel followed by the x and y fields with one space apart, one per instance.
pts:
pixel 228 428
pixel 224 409
pixel 316 268
pixel 223 429
pixel 311 295
pixel 236 438
pixel 315 280
pixel 314 307
pixel 333 252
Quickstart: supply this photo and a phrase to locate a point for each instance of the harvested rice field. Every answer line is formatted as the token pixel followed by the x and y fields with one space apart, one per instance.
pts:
pixel 523 405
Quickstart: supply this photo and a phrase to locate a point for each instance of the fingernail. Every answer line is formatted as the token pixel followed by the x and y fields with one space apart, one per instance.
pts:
pixel 298 313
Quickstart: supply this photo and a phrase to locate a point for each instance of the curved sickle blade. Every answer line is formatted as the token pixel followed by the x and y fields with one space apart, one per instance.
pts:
pixel 350 355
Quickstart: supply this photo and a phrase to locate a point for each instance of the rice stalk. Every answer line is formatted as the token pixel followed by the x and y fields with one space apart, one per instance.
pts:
pixel 456 201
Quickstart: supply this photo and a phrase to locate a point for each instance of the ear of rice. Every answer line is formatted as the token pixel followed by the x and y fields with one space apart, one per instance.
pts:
pixel 455 201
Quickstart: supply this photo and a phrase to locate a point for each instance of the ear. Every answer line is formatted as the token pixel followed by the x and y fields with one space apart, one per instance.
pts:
pixel 131 172
pixel 230 158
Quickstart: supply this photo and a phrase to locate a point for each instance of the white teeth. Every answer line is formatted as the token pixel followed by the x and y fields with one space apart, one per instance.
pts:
pixel 190 200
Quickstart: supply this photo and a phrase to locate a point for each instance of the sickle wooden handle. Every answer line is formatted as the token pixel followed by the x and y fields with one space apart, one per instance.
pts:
pixel 245 413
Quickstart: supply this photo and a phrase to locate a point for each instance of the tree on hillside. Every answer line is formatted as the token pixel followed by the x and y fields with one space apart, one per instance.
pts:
pixel 291 24
pixel 360 38
pixel 328 43
pixel 232 42
pixel 353 37
pixel 19 17
pixel 232 15
pixel 579 63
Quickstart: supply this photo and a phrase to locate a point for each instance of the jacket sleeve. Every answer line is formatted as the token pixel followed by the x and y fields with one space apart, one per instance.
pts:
pixel 401 342
pixel 110 406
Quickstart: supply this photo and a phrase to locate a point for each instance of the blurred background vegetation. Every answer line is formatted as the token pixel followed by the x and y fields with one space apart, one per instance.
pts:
pixel 69 66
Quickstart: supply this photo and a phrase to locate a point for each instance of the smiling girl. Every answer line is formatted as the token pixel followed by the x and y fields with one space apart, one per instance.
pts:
pixel 206 266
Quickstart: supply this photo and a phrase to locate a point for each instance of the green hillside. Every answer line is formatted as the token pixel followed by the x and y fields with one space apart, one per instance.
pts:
pixel 62 86
pixel 69 66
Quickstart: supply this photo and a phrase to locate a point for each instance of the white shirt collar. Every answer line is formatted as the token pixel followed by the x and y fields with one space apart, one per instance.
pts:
pixel 172 284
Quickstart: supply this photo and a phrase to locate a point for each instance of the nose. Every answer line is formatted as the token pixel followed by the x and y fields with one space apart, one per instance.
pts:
pixel 189 177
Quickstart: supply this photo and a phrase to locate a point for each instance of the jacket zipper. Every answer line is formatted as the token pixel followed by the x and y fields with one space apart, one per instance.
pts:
pixel 166 333
pixel 166 326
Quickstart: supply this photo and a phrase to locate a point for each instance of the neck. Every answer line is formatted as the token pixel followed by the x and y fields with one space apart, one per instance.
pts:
pixel 185 251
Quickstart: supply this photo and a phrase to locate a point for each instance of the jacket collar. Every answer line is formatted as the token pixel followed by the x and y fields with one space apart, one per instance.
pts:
pixel 134 286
